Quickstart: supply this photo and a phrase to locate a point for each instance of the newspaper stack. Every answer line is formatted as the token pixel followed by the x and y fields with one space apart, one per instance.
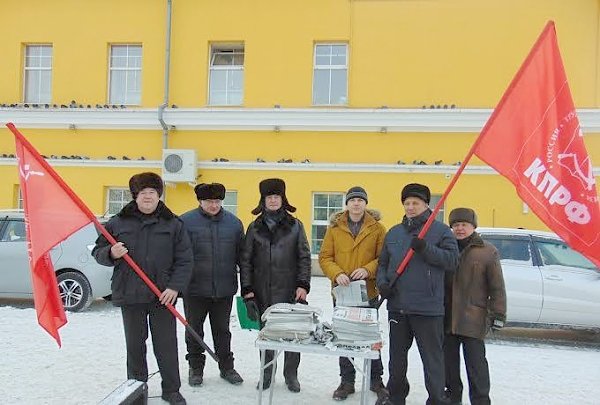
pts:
pixel 291 322
pixel 353 326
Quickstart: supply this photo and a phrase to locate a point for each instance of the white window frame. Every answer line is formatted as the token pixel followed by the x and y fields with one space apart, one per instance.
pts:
pixel 28 68
pixel 434 199
pixel 323 222
pixel 19 195
pixel 124 199
pixel 231 207
pixel 331 68
pixel 215 49
pixel 130 98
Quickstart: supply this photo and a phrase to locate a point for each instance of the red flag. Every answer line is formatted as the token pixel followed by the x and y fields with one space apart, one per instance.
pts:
pixel 534 139
pixel 52 213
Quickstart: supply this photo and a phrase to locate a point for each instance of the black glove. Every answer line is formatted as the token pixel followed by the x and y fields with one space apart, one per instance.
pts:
pixel 497 324
pixel 252 309
pixel 418 244
pixel 385 291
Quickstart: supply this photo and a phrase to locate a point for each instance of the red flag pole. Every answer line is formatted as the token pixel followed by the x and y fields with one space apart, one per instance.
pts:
pixel 81 205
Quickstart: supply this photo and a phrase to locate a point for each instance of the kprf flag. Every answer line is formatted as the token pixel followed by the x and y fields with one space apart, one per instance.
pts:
pixel 534 139
pixel 52 213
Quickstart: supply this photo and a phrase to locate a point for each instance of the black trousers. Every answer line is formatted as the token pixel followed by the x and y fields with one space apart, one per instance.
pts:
pixel 218 311
pixel 476 364
pixel 428 331
pixel 347 370
pixel 164 341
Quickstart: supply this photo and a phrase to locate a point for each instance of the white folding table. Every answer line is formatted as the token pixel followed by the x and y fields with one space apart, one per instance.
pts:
pixel 314 348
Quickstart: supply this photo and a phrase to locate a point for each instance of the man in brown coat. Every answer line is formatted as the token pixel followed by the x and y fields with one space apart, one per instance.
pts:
pixel 475 300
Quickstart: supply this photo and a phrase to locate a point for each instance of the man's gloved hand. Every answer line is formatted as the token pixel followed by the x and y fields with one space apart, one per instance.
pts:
pixel 385 291
pixel 418 244
pixel 252 309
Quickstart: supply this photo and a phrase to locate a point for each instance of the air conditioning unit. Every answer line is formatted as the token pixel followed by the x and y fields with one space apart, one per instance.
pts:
pixel 179 165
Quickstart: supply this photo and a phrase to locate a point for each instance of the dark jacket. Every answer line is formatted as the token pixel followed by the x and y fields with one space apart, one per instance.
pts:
pixel 160 246
pixel 475 294
pixel 274 264
pixel 216 243
pixel 420 289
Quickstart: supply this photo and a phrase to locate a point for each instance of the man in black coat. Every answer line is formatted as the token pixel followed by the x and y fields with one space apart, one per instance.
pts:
pixel 156 240
pixel 217 236
pixel 415 302
pixel 276 264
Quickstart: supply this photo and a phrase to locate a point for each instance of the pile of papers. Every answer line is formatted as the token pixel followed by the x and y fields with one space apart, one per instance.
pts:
pixel 354 326
pixel 291 322
pixel 352 295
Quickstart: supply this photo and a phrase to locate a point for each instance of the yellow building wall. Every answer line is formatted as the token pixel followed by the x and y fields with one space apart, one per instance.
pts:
pixel 402 53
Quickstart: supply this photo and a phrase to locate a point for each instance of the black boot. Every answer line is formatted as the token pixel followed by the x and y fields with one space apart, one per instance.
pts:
pixel 196 376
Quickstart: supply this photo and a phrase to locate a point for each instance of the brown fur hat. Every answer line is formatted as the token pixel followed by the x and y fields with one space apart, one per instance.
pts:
pixel 272 187
pixel 140 181
pixel 463 215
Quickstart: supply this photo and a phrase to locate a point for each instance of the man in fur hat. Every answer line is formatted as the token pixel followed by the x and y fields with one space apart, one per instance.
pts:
pixel 275 265
pixel 415 302
pixel 156 240
pixel 217 236
pixel 475 301
pixel 349 252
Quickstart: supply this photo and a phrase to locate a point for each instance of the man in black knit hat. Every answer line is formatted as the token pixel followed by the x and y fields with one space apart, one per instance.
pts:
pixel 217 236
pixel 156 240
pixel 475 301
pixel 275 265
pixel 415 302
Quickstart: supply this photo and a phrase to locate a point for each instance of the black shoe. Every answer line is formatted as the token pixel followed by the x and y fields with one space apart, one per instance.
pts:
pixel 293 384
pixel 174 398
pixel 232 376
pixel 196 376
pixel 378 387
pixel 342 392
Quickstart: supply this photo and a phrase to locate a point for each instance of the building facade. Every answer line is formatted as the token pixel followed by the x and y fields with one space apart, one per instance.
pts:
pixel 326 94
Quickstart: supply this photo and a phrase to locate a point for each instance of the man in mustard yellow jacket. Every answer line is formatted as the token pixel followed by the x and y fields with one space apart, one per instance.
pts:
pixel 349 252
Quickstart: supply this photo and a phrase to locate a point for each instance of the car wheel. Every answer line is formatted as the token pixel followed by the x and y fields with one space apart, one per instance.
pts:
pixel 75 291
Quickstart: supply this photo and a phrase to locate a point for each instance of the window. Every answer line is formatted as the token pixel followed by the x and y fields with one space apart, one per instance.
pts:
pixel 324 204
pixel 14 231
pixel 19 197
pixel 433 202
pixel 558 253
pixel 511 249
pixel 38 74
pixel 117 198
pixel 230 202
pixel 330 77
pixel 125 70
pixel 226 86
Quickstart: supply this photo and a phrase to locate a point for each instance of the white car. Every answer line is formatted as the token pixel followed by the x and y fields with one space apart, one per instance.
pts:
pixel 547 282
pixel 80 278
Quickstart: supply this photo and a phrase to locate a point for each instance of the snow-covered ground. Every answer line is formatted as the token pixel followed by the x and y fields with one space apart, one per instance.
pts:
pixel 91 364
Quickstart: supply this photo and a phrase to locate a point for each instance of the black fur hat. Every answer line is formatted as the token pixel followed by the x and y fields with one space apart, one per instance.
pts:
pixel 463 215
pixel 272 187
pixel 212 191
pixel 140 181
pixel 416 190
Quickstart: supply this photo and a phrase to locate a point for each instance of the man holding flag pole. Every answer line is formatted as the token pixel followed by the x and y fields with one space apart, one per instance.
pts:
pixel 533 138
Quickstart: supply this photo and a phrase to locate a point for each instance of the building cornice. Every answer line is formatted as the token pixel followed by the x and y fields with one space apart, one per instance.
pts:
pixel 267 119
pixel 275 167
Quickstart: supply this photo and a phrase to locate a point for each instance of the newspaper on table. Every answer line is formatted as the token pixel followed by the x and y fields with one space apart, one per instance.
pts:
pixel 352 295
pixel 355 326
pixel 292 322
